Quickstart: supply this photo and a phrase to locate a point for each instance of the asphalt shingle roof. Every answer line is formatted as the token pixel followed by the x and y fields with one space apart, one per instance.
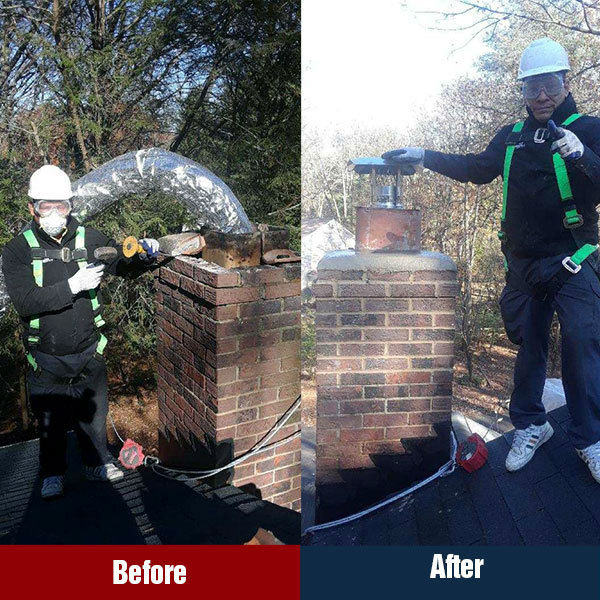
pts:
pixel 141 509
pixel 551 501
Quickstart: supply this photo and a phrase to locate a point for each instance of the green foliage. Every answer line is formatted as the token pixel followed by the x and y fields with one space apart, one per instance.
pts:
pixel 217 81
pixel 129 309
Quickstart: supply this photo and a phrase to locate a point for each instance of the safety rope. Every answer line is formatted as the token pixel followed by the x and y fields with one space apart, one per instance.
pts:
pixel 182 475
pixel 445 470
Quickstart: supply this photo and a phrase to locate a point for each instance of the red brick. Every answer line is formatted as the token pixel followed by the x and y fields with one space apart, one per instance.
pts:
pixel 362 290
pixel 291 391
pixel 326 379
pixel 444 320
pixel 237 387
pixel 257 398
pixel 409 377
pixel 442 376
pixel 183 265
pixel 408 405
pixel 255 427
pixel 281 350
pixel 264 367
pixel 410 320
pixel 378 364
pixel 387 305
pixel 340 393
pixel 361 378
pixel 237 295
pixel 291 362
pixel 412 290
pixel 432 304
pixel 361 349
pixel 282 290
pixel 168 276
pixel 216 276
pixel 339 364
pixel 322 290
pixel 278 379
pixel 361 435
pixel 325 436
pixel 443 348
pixel 448 289
pixel 420 349
pixel 260 308
pixel 338 306
pixel 385 420
pixel 432 334
pixel 327 407
pixel 428 417
pixel 340 422
pixel 399 276
pixel 359 407
pixel 386 391
pixel 261 275
pixel 339 335
pixel 386 335
pixel 362 320
pixel 325 321
pixel 192 287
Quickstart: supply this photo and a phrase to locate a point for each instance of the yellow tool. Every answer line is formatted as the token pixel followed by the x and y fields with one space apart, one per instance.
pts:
pixel 131 247
pixel 189 243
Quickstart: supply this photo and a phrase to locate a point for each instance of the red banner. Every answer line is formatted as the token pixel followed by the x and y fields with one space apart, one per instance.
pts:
pixel 111 572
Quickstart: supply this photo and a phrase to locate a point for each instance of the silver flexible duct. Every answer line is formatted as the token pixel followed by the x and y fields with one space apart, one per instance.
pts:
pixel 151 170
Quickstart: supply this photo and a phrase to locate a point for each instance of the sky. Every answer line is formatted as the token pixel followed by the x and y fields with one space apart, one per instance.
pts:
pixel 374 63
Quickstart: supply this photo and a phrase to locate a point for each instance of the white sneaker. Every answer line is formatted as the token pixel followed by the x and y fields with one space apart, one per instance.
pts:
pixel 107 472
pixel 591 457
pixel 525 443
pixel 53 487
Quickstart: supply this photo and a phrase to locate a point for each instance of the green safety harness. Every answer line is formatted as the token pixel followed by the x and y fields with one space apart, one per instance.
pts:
pixel 79 255
pixel 571 221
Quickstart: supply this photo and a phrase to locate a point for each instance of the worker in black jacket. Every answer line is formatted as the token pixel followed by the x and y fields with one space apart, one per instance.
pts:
pixel 53 282
pixel 550 164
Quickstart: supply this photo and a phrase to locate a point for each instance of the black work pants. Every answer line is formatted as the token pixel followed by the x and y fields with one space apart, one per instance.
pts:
pixel 81 404
pixel 527 322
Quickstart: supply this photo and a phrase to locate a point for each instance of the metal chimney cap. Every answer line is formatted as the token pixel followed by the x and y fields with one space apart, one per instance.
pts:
pixel 372 164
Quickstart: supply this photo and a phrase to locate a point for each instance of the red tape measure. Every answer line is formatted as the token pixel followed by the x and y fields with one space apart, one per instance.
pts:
pixel 131 455
pixel 472 453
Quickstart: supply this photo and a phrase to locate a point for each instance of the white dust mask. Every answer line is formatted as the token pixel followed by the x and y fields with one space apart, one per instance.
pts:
pixel 53 224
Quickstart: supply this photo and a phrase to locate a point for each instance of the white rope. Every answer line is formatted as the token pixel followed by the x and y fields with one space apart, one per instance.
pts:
pixel 443 471
pixel 115 428
pixel 180 474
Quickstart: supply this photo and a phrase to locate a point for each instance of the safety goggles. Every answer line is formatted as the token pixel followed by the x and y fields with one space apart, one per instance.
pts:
pixel 551 83
pixel 45 207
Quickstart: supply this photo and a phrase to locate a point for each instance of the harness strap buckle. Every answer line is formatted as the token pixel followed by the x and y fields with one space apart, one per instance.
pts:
pixel 541 135
pixel 573 222
pixel 65 254
pixel 570 266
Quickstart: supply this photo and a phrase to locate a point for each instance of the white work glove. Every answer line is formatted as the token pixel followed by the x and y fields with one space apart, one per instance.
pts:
pixel 567 145
pixel 151 247
pixel 408 159
pixel 86 279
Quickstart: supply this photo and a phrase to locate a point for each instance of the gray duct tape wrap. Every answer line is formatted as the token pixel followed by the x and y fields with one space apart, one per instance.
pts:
pixel 152 170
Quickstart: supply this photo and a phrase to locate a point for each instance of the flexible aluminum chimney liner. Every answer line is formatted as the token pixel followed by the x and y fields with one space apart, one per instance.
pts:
pixel 151 170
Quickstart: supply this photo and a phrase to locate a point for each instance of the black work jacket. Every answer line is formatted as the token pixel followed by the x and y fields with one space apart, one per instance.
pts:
pixel 66 321
pixel 534 212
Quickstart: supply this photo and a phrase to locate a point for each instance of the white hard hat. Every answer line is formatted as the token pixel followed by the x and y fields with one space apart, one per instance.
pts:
pixel 49 183
pixel 543 56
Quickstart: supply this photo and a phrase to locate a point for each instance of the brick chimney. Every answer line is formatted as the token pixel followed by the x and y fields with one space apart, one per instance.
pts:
pixel 385 324
pixel 228 368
